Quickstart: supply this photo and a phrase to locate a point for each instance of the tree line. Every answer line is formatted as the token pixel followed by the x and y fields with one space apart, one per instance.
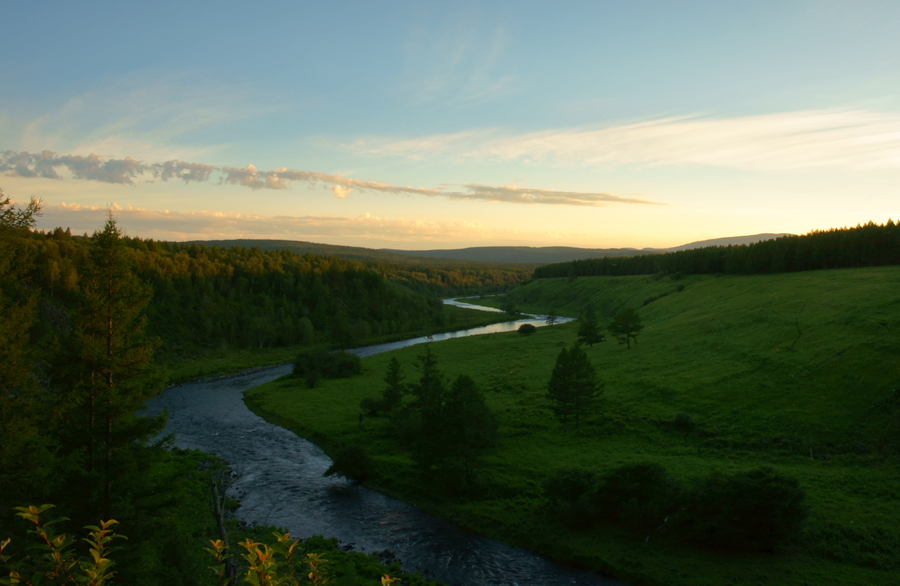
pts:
pixel 866 245
pixel 203 297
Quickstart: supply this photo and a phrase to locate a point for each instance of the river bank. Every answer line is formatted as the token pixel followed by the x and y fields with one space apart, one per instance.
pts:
pixel 730 379
pixel 280 482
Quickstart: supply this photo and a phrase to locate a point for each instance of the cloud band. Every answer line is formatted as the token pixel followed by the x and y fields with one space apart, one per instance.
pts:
pixel 129 171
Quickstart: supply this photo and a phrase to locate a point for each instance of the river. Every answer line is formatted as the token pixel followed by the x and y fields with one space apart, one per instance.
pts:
pixel 280 482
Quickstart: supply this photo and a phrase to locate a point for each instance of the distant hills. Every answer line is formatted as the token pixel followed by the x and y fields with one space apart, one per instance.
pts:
pixel 487 254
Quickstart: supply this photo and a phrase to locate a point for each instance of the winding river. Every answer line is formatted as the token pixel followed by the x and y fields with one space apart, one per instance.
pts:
pixel 280 482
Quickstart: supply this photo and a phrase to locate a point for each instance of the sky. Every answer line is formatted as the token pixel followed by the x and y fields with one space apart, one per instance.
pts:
pixel 425 125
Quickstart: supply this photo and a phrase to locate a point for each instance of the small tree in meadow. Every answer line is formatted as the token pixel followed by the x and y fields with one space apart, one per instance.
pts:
pixel 573 385
pixel 626 326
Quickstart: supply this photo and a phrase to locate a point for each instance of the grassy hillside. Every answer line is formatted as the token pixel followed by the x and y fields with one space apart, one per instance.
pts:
pixel 800 372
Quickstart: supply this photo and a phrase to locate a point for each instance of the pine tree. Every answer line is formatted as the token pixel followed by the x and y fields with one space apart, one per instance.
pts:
pixel 471 427
pixel 111 376
pixel 573 385
pixel 394 389
pixel 589 331
pixel 626 326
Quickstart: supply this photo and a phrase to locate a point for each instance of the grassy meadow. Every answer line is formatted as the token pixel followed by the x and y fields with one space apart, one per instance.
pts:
pixel 800 372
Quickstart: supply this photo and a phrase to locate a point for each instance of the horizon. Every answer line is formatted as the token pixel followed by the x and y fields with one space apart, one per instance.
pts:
pixel 411 127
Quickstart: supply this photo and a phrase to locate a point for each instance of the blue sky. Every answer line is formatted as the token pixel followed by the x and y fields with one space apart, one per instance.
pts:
pixel 438 124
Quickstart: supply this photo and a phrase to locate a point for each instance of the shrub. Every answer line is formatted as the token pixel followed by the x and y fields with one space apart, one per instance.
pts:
pixel 568 484
pixel 527 329
pixel 753 510
pixel 636 494
pixel 314 364
pixel 567 491
pixel 352 463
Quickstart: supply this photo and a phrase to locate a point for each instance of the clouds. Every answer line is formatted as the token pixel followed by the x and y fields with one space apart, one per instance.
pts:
pixel 128 171
pixel 363 230
pixel 850 139
pixel 513 194
pixel 95 168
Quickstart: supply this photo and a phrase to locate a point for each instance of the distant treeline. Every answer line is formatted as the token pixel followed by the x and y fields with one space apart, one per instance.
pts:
pixel 247 297
pixel 863 246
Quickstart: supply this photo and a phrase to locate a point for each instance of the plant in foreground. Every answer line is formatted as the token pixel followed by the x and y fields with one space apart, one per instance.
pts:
pixel 56 563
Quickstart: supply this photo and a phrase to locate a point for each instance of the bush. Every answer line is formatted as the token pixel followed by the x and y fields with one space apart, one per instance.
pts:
pixel 754 510
pixel 352 463
pixel 527 329
pixel 312 365
pixel 637 494
pixel 568 484
pixel 567 491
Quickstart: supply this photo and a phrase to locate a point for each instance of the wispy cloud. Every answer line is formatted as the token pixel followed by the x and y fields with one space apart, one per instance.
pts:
pixel 458 62
pixel 851 139
pixel 365 230
pixel 142 114
pixel 129 171
pixel 513 194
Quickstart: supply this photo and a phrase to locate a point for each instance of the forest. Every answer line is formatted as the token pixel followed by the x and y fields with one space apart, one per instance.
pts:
pixel 89 325
pixel 868 245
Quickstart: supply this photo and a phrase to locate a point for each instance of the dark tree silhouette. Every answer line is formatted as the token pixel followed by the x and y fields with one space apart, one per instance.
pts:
pixel 626 326
pixel 573 385
pixel 589 331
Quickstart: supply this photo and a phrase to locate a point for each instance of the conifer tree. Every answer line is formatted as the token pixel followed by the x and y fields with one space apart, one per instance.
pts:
pixel 589 331
pixel 573 385
pixel 626 326
pixel 111 376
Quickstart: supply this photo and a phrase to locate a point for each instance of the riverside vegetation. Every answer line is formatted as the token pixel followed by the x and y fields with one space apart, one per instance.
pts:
pixel 796 373
pixel 83 324
pixel 786 382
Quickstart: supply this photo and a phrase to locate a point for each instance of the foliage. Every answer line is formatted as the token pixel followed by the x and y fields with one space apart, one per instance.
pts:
pixel 313 364
pixel 18 218
pixel 868 245
pixel 391 396
pixel 509 306
pixel 55 560
pixel 637 494
pixel 567 491
pixel 527 329
pixel 352 463
pixel 573 385
pixel 626 326
pixel 588 330
pixel 753 510
pixel 106 372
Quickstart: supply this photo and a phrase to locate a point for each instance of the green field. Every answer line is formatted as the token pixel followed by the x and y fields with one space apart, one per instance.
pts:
pixel 799 371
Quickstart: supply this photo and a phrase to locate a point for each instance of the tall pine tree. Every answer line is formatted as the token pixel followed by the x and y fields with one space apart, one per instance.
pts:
pixel 111 376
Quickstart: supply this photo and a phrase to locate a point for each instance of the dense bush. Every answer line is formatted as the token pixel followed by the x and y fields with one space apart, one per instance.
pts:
pixel 352 463
pixel 527 329
pixel 753 510
pixel 636 494
pixel 567 491
pixel 315 364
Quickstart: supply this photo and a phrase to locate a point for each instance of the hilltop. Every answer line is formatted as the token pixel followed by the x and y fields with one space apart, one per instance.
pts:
pixel 477 254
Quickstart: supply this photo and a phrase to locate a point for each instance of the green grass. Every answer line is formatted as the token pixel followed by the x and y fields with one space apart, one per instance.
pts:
pixel 770 368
